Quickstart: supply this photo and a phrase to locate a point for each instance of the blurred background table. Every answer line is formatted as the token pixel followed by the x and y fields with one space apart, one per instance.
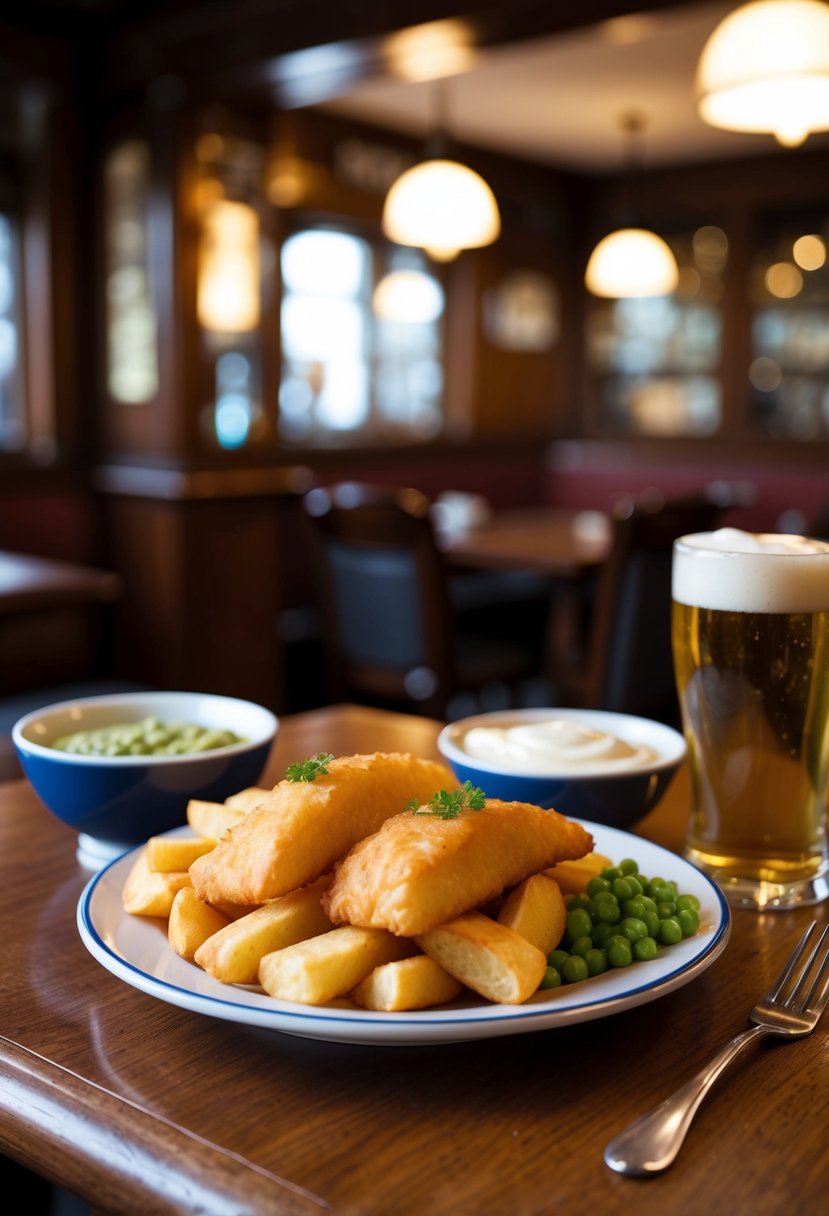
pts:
pixel 552 541
pixel 142 1107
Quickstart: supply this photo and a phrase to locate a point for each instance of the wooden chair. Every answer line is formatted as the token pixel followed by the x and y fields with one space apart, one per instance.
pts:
pixel 625 663
pixel 390 632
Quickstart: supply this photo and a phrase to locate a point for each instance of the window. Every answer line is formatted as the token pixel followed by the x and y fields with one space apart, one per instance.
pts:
pixel 361 340
pixel 655 361
pixel 789 368
pixel 13 429
pixel 132 360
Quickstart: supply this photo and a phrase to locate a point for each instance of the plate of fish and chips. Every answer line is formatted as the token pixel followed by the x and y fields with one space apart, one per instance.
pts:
pixel 327 932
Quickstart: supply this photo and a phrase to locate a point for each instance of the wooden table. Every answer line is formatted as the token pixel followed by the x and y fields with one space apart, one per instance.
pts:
pixel 552 541
pixel 143 1108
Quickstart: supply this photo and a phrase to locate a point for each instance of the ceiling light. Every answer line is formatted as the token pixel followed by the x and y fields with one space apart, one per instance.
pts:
pixel 408 296
pixel 631 261
pixel 765 69
pixel 441 205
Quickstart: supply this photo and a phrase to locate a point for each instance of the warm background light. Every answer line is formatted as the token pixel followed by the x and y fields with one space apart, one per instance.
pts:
pixel 228 290
pixel 765 69
pixel 441 206
pixel 631 262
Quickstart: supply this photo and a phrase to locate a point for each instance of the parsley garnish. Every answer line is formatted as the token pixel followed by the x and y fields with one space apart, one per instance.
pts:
pixel 310 769
pixel 448 804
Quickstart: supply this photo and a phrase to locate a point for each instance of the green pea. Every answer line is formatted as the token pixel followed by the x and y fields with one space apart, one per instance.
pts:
pixel 664 895
pixel 632 928
pixel 557 958
pixel 670 931
pixel 686 901
pixel 645 949
pixel 578 924
pixel 581 945
pixel 601 932
pixel 652 921
pixel 622 889
pixel 629 866
pixel 596 885
pixel 574 970
pixel 551 978
pixel 580 901
pixel 619 951
pixel 608 911
pixel 634 907
pixel 611 872
pixel 596 960
pixel 688 921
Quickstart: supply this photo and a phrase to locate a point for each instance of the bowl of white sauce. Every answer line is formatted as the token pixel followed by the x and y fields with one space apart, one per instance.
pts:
pixel 590 764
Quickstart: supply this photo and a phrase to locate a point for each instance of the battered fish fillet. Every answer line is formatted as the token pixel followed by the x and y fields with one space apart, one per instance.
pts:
pixel 419 871
pixel 301 828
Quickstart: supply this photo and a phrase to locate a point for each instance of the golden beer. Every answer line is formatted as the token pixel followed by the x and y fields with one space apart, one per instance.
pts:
pixel 751 659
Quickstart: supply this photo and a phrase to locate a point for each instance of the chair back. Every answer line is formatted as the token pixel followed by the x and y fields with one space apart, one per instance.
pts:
pixel 387 617
pixel 629 661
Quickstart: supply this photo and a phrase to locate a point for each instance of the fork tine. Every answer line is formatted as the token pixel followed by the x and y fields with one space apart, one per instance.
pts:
pixel 792 963
pixel 818 993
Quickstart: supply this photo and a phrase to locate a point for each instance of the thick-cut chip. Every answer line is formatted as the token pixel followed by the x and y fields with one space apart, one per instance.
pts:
pixel 233 954
pixel 212 819
pixel 165 853
pixel 149 893
pixel 303 827
pixel 329 966
pixel 420 871
pixel 191 922
pixel 487 957
pixel 246 800
pixel 537 911
pixel 410 983
pixel 573 876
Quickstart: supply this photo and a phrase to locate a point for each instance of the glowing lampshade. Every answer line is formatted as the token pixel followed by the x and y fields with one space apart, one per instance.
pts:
pixel 441 206
pixel 228 286
pixel 631 262
pixel 408 296
pixel 765 69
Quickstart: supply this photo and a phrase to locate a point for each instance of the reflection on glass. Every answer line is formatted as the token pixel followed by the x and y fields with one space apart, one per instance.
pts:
pixel 655 361
pixel 789 368
pixel 132 360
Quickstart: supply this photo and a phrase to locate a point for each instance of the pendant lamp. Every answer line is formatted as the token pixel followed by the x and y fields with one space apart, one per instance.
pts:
pixel 441 205
pixel 765 69
pixel 631 261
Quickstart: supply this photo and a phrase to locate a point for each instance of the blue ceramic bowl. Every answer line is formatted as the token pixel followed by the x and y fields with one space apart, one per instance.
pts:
pixel 116 802
pixel 608 795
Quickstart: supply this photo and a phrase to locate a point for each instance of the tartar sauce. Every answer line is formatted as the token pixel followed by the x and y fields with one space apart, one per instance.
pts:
pixel 554 746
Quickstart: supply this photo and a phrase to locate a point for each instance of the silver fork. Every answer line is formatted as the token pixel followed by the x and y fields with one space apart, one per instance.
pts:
pixel 791 1008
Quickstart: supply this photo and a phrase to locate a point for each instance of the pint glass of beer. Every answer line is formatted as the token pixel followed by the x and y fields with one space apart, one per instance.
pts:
pixel 750 630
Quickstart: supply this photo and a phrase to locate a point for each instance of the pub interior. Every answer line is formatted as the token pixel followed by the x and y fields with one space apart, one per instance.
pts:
pixel 163 430
pixel 140 437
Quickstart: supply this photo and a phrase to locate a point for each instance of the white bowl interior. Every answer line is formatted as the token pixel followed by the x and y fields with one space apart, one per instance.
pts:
pixel 36 731
pixel 669 744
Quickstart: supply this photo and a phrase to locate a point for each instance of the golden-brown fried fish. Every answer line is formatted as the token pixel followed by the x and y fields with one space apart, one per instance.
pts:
pixel 301 828
pixel 419 871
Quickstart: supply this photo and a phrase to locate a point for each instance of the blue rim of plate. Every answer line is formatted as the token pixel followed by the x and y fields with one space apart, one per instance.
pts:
pixel 136 951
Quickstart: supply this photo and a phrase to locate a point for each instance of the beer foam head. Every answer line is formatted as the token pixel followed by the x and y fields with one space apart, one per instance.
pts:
pixel 737 571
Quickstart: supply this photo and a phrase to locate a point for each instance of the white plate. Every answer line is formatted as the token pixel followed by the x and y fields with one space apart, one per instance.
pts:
pixel 135 949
